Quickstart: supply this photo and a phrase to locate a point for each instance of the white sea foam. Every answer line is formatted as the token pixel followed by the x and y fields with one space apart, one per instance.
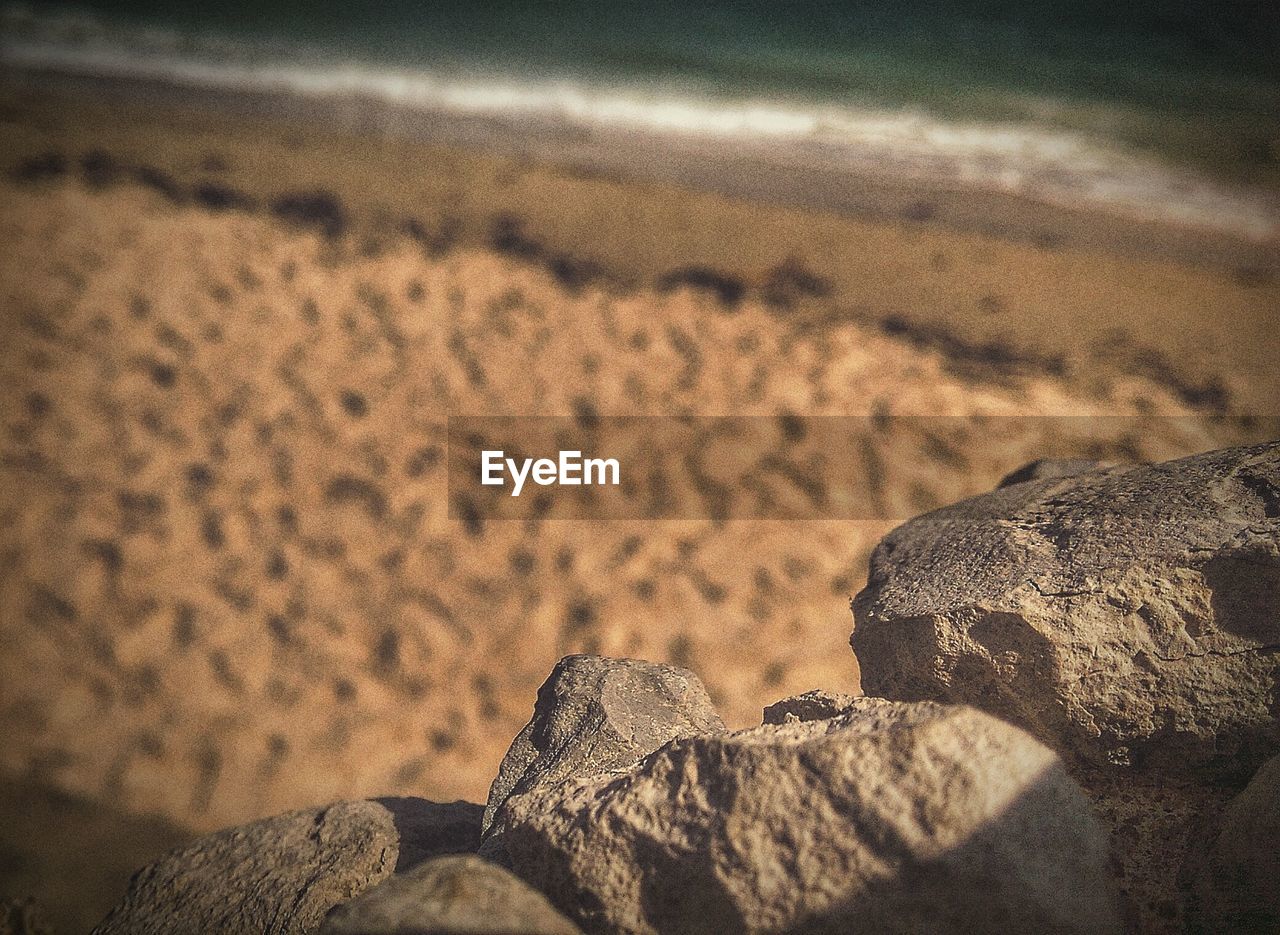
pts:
pixel 1035 160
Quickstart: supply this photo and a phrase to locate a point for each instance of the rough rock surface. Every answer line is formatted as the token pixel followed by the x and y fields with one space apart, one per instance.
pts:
pixel 596 714
pixel 1126 616
pixel 449 896
pixel 1154 821
pixel 891 818
pixel 816 705
pixel 1236 877
pixel 283 874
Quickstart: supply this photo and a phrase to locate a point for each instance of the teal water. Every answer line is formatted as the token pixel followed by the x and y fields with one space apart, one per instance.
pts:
pixel 1177 55
pixel 1191 82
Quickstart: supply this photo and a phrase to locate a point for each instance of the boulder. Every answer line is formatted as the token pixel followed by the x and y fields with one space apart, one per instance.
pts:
pixel 1236 873
pixel 594 714
pixel 1127 616
pixel 449 896
pixel 283 874
pixel 889 818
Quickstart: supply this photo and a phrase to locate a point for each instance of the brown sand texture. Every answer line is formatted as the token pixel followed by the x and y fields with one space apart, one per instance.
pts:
pixel 229 583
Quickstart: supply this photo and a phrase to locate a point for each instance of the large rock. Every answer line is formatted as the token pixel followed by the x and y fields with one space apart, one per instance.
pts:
pixel 889 818
pixel 596 714
pixel 1127 616
pixel 1236 873
pixel 449 896
pixel 283 874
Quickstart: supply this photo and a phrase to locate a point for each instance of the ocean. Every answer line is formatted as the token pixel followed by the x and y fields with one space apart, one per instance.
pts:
pixel 1167 106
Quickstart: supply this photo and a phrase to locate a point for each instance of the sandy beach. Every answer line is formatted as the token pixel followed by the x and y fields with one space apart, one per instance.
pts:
pixel 234 340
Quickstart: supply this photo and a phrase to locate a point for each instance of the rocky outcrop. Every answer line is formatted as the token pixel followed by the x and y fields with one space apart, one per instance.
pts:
pixel 1126 616
pixel 1129 617
pixel 594 714
pixel 283 874
pixel 1082 643
pixel 887 818
pixel 1235 872
pixel 449 896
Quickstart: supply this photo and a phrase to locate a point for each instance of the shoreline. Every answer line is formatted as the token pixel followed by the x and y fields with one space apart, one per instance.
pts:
pixel 1120 203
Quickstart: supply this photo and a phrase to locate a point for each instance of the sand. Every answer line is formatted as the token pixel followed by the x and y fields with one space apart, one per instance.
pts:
pixel 230 582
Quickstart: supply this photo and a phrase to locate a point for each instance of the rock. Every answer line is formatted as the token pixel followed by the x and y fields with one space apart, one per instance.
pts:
pixel 283 874
pixel 890 818
pixel 1127 616
pixel 1047 469
pixel 1236 875
pixel 1154 822
pixel 816 705
pixel 449 896
pixel 595 714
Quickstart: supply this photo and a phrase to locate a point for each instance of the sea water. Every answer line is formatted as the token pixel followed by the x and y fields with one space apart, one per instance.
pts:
pixel 1172 106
